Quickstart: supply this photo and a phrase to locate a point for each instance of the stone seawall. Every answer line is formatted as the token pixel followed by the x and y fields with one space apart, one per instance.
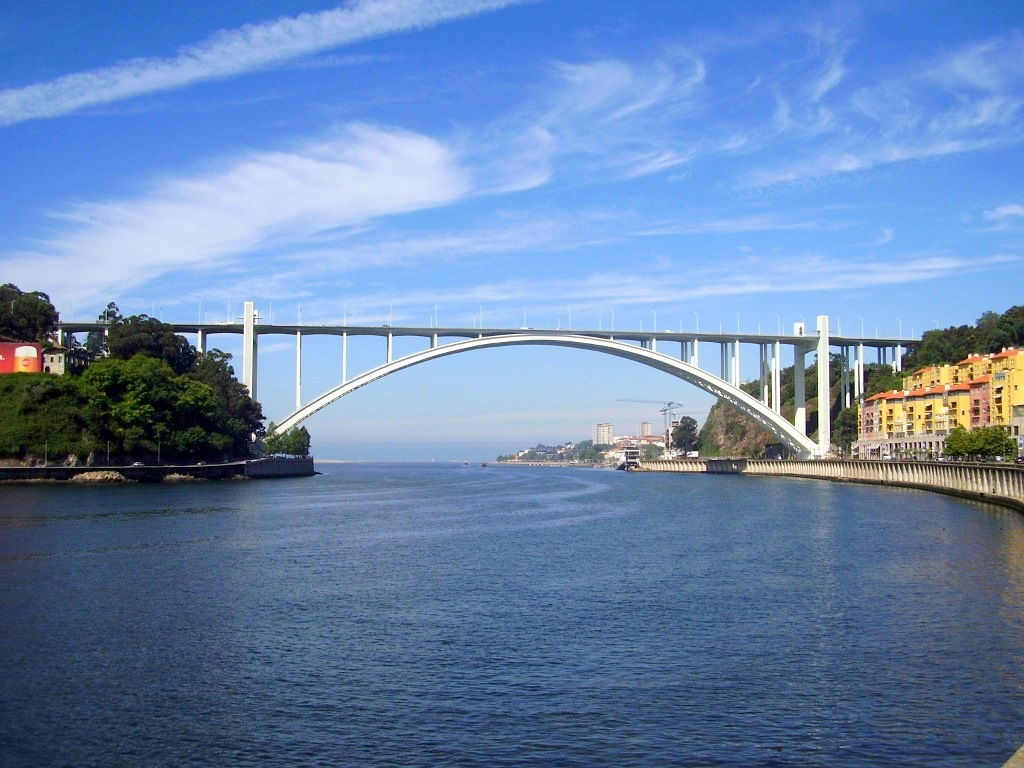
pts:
pixel 274 466
pixel 1000 484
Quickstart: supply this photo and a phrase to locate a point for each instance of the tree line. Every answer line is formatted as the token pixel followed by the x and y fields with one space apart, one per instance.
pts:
pixel 144 393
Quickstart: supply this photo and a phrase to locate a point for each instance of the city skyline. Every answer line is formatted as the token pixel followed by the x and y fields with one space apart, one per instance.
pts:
pixel 554 164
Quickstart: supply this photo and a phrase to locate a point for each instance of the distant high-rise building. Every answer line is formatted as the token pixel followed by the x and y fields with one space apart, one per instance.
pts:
pixel 604 434
pixel 645 429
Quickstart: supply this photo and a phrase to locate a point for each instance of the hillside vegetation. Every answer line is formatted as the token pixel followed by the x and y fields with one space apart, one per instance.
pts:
pixel 728 432
pixel 152 398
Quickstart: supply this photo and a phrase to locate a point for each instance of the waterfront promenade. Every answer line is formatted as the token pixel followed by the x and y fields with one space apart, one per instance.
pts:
pixel 1000 484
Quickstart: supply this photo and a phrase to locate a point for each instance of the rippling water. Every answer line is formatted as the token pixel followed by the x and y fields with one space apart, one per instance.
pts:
pixel 436 615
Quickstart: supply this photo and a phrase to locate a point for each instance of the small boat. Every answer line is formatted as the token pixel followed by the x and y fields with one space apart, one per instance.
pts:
pixel 483 463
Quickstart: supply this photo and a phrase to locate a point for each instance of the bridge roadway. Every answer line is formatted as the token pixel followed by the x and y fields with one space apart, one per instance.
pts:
pixel 645 347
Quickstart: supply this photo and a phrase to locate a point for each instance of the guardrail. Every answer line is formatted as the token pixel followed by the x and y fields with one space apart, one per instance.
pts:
pixel 998 483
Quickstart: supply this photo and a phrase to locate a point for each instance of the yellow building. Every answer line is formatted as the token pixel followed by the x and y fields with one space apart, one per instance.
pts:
pixel 979 391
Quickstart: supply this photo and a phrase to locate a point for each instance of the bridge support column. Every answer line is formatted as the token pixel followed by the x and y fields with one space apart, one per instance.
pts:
pixel 344 357
pixel 898 358
pixel 845 374
pixel 391 348
pixel 799 389
pixel 724 350
pixel 824 398
pixel 298 370
pixel 249 342
pixel 734 377
pixel 762 361
pixel 777 377
pixel 695 353
pixel 858 374
pixel 200 341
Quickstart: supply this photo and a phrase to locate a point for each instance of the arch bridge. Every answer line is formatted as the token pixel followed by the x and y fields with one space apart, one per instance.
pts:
pixel 650 348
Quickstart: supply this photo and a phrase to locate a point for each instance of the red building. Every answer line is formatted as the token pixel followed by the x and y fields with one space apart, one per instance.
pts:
pixel 20 357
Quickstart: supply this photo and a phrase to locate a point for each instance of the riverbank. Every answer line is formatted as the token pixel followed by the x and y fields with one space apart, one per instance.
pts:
pixel 274 466
pixel 1002 485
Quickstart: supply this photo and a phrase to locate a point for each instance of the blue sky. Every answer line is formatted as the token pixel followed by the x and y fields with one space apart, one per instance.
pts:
pixel 582 162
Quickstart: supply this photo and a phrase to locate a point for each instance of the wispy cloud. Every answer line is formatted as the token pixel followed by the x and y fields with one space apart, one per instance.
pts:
pixel 963 101
pixel 232 52
pixel 262 200
pixel 601 290
pixel 739 225
pixel 599 116
pixel 1005 213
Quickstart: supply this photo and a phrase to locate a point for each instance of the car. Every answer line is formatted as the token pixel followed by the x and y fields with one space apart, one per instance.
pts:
pixel 1019 460
pixel 138 464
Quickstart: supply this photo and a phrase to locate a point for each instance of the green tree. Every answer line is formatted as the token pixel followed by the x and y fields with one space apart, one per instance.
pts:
pixel 41 415
pixel 652 451
pixel 292 442
pixel 844 429
pixel 958 442
pixel 238 415
pixel 993 441
pixel 96 341
pixel 26 316
pixel 685 436
pixel 141 334
pixel 983 441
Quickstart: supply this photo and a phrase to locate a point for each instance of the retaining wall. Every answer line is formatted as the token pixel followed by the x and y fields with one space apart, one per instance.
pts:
pixel 1001 484
pixel 274 466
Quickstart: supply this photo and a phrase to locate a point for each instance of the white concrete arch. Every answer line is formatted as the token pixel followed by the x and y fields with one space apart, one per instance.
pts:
pixel 758 411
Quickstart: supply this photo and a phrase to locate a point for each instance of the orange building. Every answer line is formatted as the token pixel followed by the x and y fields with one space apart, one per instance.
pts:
pixel 979 391
pixel 19 357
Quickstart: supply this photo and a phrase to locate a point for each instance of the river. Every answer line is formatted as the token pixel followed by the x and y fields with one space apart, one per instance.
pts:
pixel 441 615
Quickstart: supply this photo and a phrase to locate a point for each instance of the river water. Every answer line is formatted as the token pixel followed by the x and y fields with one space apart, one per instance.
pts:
pixel 441 615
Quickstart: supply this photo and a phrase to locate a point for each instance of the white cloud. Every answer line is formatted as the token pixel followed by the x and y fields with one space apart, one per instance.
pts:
pixel 1004 213
pixel 259 201
pixel 886 237
pixel 753 223
pixel 964 101
pixel 231 52
pixel 601 291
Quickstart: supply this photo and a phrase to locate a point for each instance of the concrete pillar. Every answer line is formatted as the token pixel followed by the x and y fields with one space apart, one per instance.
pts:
pixel 734 378
pixel 762 356
pixel 433 341
pixel 858 374
pixel 724 348
pixel 344 357
pixel 799 389
pixel 654 344
pixel 845 375
pixel 390 346
pixel 898 358
pixel 298 370
pixel 824 416
pixel 695 353
pixel 200 341
pixel 777 377
pixel 249 351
